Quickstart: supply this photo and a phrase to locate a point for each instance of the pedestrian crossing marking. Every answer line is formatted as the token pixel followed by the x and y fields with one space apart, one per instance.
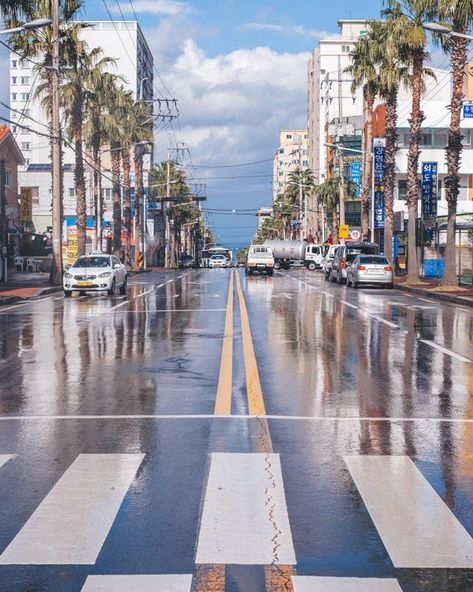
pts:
pixel 416 526
pixel 138 583
pixel 72 522
pixel 244 517
pixel 326 584
pixel 4 458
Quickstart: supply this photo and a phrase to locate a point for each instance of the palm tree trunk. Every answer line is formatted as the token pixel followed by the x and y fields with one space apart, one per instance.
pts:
pixel 96 141
pixel 79 178
pixel 453 154
pixel 126 201
pixel 335 225
pixel 390 172
pixel 116 195
pixel 417 117
pixel 138 162
pixel 367 164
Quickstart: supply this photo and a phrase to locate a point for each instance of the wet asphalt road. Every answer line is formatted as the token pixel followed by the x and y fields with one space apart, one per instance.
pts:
pixel 344 463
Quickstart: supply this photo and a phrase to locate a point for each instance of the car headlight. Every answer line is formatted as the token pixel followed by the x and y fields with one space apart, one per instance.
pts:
pixel 68 275
pixel 105 274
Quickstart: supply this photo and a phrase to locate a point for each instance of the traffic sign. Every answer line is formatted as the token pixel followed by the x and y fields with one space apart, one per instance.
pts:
pixel 344 231
pixel 355 234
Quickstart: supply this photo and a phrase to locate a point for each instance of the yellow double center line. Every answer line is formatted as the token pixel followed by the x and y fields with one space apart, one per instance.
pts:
pixel 223 400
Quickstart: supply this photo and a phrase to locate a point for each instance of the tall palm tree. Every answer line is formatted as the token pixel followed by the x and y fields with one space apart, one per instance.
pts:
pixel 409 17
pixel 74 98
pixel 12 10
pixel 460 14
pixel 390 54
pixel 365 74
pixel 99 126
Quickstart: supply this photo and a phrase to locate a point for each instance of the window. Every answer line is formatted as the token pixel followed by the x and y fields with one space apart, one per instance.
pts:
pixel 281 151
pixel 14 128
pixel 289 136
pixel 322 72
pixel 7 178
pixel 13 96
pixel 25 96
pixel 345 49
pixel 24 64
pixel 305 163
pixel 281 173
pixel 25 80
pixel 14 64
pixel 26 145
pixel 13 79
pixel 107 194
pixel 72 192
pixel 35 195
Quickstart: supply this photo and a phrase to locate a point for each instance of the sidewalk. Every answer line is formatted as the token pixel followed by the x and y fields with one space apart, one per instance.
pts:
pixel 24 285
pixel 431 288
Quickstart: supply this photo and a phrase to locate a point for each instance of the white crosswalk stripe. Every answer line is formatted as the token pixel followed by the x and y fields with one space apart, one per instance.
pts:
pixel 138 583
pixel 244 519
pixel 326 584
pixel 4 458
pixel 415 525
pixel 71 523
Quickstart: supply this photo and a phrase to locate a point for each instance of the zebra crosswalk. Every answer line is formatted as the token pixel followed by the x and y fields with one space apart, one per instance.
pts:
pixel 244 520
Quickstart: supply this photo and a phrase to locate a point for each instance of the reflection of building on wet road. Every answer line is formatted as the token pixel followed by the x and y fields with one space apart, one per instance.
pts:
pixel 216 432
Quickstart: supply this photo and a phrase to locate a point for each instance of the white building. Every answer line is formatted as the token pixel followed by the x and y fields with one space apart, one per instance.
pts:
pixel 329 90
pixel 291 155
pixel 123 41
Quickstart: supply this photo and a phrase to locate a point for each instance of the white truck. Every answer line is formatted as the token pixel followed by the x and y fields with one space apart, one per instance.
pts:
pixel 287 252
pixel 260 258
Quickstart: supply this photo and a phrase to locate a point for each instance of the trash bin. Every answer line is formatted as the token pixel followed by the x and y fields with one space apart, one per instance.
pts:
pixel 434 268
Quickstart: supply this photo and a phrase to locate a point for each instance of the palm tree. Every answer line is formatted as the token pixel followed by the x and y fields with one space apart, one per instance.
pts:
pixel 328 194
pixel 460 14
pixel 99 126
pixel 75 96
pixel 365 73
pixel 390 54
pixel 12 11
pixel 409 17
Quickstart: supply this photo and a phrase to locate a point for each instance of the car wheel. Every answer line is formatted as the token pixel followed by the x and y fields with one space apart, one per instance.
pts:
pixel 111 292
pixel 124 287
pixel 67 293
pixel 312 266
pixel 277 265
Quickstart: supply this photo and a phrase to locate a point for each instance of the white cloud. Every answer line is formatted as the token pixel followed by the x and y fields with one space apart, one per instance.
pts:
pixel 159 7
pixel 287 29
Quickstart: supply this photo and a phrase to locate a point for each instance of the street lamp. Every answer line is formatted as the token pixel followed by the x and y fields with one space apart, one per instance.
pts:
pixel 36 24
pixel 445 30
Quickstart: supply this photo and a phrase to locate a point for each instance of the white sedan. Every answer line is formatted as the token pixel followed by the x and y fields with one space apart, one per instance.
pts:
pixel 218 261
pixel 94 273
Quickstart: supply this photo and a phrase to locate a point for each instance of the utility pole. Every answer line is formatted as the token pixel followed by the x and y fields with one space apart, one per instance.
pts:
pixel 3 226
pixel 341 162
pixel 56 271
pixel 165 209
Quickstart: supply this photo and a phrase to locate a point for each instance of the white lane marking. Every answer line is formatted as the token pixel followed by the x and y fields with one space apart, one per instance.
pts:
pixel 4 458
pixel 113 307
pixel 138 583
pixel 416 526
pixel 71 523
pixel 381 320
pixel 348 304
pixel 171 310
pixel 328 584
pixel 13 307
pixel 445 351
pixel 144 293
pixel 160 285
pixel 245 513
pixel 458 420
pixel 169 281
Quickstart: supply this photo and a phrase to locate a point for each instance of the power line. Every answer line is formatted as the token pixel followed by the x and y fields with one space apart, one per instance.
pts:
pixel 235 177
pixel 229 166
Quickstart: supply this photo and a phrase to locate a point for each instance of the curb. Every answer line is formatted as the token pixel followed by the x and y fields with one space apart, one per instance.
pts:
pixel 436 295
pixel 5 300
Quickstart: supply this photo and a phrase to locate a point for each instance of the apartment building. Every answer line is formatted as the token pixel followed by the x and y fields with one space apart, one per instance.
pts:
pixel 291 155
pixel 126 44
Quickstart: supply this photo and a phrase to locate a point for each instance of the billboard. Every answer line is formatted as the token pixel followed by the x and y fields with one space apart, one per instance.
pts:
pixel 429 189
pixel 26 204
pixel 379 170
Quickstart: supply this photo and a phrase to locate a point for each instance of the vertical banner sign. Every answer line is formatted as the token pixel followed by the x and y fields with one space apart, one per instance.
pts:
pixel 379 173
pixel 355 176
pixel 429 189
pixel 26 204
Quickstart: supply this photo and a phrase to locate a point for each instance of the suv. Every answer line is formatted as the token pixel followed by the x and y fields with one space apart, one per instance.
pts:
pixel 344 257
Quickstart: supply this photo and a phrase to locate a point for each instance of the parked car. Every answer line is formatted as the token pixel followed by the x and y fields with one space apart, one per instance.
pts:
pixel 217 261
pixel 94 273
pixel 328 260
pixel 186 261
pixel 261 259
pixel 344 257
pixel 370 269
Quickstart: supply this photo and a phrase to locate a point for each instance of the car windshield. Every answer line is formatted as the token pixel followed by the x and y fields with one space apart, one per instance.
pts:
pixel 217 257
pixel 92 262
pixel 373 259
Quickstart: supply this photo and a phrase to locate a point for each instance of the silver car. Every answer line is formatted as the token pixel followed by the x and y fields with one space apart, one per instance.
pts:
pixel 370 269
